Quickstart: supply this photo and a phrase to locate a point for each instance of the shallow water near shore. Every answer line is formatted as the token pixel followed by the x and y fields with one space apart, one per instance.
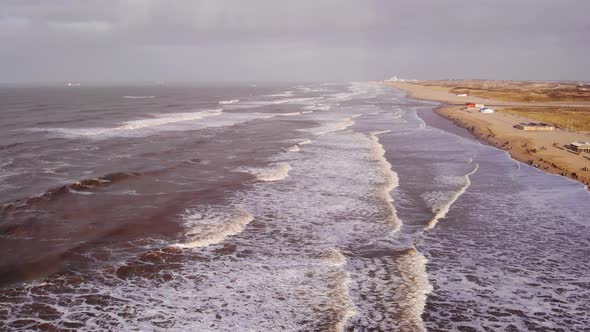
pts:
pixel 336 207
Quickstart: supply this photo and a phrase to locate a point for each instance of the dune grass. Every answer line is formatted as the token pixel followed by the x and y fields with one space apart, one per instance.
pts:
pixel 517 91
pixel 577 119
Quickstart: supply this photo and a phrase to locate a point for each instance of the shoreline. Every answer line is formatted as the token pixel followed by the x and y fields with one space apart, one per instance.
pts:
pixel 543 150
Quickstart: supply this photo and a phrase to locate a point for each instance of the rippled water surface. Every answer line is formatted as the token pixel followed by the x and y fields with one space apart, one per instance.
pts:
pixel 315 207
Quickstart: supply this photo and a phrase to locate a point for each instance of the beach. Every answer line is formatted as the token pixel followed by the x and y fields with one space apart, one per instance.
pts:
pixel 546 150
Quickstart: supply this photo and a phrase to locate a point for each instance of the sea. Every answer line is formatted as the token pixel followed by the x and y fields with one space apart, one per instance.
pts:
pixel 276 207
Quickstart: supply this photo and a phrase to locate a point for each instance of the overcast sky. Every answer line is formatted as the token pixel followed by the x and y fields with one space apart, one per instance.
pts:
pixel 303 40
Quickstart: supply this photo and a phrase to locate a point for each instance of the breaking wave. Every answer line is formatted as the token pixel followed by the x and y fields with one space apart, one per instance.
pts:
pixel 130 126
pixel 330 127
pixel 441 201
pixel 228 102
pixel 211 225
pixel 166 119
pixel 304 142
pixel 294 148
pixel 390 177
pixel 274 172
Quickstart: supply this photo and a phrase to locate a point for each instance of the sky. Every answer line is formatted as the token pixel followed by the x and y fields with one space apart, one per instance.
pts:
pixel 303 40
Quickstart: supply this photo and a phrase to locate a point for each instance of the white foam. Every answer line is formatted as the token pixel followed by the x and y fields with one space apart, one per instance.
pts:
pixel 166 119
pixel 390 177
pixel 76 192
pixel 333 257
pixel 415 290
pixel 130 126
pixel 302 100
pixel 228 102
pixel 293 148
pixel 297 147
pixel 211 225
pixel 139 97
pixel 170 121
pixel 282 94
pixel 288 114
pixel 377 133
pixel 331 127
pixel 274 172
pixel 5 172
pixel 346 306
pixel 304 142
pixel 318 107
pixel 440 202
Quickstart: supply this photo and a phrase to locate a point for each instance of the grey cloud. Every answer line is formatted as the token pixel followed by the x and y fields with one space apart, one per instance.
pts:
pixel 129 40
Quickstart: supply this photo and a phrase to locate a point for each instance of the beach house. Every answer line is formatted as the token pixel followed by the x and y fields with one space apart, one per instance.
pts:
pixel 474 105
pixel 580 146
pixel 533 126
pixel 486 110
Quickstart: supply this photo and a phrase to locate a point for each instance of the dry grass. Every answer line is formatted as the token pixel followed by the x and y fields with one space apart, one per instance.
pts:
pixel 562 117
pixel 517 91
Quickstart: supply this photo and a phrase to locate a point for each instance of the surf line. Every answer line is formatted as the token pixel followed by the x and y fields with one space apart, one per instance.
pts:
pixel 391 178
pixel 442 212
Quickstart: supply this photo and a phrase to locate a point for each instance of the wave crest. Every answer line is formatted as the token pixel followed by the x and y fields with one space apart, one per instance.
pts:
pixel 211 225
pixel 274 172
pixel 441 201
pixel 228 102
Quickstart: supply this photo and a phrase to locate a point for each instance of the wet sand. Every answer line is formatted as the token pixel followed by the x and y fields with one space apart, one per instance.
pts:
pixel 544 150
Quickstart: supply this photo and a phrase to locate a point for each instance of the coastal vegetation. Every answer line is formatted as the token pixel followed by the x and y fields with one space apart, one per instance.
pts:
pixel 569 118
pixel 517 91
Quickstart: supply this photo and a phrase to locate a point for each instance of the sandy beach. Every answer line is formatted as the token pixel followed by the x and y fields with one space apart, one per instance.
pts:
pixel 544 150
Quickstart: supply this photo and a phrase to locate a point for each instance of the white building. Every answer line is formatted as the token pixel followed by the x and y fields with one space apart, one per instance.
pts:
pixel 486 110
pixel 581 146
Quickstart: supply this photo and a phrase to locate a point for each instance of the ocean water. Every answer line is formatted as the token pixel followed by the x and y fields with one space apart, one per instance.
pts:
pixel 295 207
